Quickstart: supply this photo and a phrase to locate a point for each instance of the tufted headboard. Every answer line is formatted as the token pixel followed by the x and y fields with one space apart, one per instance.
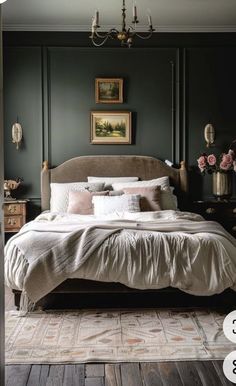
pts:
pixel 79 168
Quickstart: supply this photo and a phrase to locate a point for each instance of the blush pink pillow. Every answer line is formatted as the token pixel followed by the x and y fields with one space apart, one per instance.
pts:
pixel 81 202
pixel 150 197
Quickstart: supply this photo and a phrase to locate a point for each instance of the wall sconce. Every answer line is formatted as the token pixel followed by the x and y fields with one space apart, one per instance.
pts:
pixel 17 134
pixel 209 134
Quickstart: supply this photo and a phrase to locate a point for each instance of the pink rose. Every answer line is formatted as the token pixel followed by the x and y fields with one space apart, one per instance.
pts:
pixel 211 159
pixel 227 159
pixel 202 162
pixel 225 165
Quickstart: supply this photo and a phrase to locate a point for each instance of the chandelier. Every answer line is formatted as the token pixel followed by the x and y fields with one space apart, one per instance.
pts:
pixel 125 35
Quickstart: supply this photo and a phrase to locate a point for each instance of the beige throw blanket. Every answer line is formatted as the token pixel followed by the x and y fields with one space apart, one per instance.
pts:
pixel 198 257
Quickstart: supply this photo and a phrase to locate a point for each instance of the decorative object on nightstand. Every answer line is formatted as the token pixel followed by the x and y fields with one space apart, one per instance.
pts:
pixel 10 185
pixel 222 185
pixel 14 215
pixel 220 168
pixel 223 212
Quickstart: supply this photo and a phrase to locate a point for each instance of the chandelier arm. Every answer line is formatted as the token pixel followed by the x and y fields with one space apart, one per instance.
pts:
pixel 103 36
pixel 100 44
pixel 144 37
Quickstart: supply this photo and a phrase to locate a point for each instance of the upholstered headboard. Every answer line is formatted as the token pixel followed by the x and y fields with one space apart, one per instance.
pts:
pixel 79 168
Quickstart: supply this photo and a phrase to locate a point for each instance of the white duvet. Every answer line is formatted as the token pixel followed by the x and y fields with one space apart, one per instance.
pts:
pixel 147 250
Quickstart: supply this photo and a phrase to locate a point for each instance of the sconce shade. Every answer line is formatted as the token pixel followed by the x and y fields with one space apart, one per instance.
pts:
pixel 17 134
pixel 209 134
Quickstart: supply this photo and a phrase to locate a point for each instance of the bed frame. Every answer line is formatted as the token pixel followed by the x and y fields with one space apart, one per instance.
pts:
pixel 76 293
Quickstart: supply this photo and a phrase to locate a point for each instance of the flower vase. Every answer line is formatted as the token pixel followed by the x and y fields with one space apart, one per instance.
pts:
pixel 222 185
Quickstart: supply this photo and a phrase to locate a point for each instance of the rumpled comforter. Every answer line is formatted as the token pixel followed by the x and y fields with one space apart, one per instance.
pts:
pixel 147 250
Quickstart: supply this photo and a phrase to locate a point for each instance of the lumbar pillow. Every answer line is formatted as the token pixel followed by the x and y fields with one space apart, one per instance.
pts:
pixel 81 202
pixel 150 197
pixel 125 203
pixel 60 193
pixel 108 181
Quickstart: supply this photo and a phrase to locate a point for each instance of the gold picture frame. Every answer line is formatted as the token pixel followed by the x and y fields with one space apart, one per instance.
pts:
pixel 109 90
pixel 111 127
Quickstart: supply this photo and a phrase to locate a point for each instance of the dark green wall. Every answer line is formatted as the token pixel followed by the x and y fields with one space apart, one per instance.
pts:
pixel 173 88
pixel 72 97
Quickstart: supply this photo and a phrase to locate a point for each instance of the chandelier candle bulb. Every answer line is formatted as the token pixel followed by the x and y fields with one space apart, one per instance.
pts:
pixel 149 20
pixel 93 26
pixel 96 17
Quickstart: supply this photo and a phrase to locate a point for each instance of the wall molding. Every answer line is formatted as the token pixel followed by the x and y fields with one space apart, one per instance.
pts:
pixel 140 28
pixel 173 112
pixel 45 68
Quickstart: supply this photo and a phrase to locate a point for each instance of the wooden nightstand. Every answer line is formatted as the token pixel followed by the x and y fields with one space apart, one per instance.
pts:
pixel 14 215
pixel 223 212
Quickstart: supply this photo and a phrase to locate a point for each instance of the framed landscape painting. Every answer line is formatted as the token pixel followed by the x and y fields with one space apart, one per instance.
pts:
pixel 111 127
pixel 109 90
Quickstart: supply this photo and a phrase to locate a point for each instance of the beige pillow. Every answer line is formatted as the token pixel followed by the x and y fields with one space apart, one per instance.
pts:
pixel 150 197
pixel 81 202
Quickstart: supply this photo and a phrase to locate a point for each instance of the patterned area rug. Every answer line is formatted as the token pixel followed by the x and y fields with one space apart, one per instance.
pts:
pixel 115 336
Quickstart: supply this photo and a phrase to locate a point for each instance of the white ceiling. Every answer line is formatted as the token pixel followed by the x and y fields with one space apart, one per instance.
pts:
pixel 75 15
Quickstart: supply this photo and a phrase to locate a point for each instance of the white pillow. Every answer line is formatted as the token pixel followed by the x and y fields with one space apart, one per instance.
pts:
pixel 108 181
pixel 168 200
pixel 60 193
pixel 110 204
pixel 163 182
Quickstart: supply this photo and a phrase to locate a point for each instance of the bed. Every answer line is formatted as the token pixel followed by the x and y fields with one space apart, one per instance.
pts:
pixel 195 277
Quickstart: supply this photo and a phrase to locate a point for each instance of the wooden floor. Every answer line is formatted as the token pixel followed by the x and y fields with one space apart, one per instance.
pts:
pixel 194 373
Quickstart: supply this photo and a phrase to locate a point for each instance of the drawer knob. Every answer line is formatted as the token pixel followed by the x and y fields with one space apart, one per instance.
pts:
pixel 210 210
pixel 234 211
pixel 11 221
pixel 12 208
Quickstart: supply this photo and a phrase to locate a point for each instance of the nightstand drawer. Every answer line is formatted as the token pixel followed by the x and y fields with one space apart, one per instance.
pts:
pixel 14 215
pixel 13 209
pixel 13 222
pixel 223 212
pixel 219 212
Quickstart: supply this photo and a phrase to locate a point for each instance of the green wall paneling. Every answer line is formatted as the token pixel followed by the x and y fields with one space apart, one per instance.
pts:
pixel 210 96
pixel 23 99
pixel 174 85
pixel 147 93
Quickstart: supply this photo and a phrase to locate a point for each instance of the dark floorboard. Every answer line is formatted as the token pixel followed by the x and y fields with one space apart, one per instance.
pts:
pixel 208 373
pixel 193 373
